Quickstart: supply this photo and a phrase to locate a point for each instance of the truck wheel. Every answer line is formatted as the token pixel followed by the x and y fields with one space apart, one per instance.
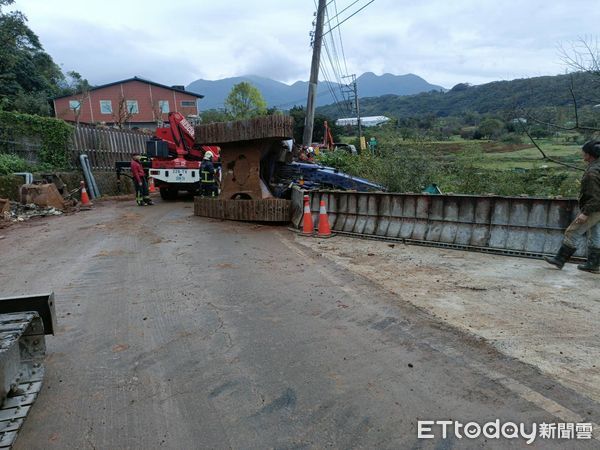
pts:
pixel 168 193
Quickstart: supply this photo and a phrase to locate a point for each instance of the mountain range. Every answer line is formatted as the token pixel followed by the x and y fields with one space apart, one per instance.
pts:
pixel 284 96
pixel 491 98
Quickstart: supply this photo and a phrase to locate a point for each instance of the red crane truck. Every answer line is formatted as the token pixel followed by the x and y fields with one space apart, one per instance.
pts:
pixel 174 158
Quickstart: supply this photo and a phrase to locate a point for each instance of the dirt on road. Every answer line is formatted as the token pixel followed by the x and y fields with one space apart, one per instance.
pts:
pixel 176 331
pixel 525 308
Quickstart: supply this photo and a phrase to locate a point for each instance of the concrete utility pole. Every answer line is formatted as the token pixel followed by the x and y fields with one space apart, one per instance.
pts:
pixel 352 90
pixel 314 76
pixel 357 106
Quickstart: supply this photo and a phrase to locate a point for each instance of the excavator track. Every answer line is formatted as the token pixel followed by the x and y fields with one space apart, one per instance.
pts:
pixel 268 210
pixel 24 321
pixel 247 146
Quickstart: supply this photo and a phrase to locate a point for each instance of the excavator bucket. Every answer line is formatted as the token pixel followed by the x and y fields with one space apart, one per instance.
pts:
pixel 45 195
pixel 24 322
pixel 247 147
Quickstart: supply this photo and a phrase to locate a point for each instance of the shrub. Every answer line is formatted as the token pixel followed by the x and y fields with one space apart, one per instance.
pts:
pixel 54 135
pixel 12 163
pixel 399 168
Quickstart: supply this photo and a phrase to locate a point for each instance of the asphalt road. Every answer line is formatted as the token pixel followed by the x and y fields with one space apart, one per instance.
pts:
pixel 182 332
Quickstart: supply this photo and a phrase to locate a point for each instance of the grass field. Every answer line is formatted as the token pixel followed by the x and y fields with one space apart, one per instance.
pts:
pixel 468 166
pixel 529 158
pixel 500 156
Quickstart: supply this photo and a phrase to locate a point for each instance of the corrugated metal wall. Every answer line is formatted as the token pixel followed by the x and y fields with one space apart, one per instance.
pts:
pixel 521 226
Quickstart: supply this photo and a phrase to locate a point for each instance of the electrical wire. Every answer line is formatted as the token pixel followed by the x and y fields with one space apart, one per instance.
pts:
pixel 352 15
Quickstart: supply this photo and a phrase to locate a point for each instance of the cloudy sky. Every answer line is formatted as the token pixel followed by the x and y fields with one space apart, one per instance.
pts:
pixel 178 41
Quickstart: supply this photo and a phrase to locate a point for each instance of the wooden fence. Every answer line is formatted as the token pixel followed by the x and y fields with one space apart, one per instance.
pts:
pixel 104 147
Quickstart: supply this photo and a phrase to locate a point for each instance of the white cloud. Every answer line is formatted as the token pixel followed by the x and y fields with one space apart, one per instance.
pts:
pixel 179 41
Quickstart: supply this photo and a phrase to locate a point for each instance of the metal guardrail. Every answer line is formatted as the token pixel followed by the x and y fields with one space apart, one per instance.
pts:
pixel 518 226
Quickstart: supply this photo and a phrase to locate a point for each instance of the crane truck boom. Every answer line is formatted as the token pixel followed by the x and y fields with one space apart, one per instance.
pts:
pixel 174 158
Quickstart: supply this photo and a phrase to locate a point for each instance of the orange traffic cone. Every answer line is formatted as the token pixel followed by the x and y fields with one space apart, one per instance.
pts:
pixel 324 228
pixel 307 225
pixel 85 199
pixel 151 187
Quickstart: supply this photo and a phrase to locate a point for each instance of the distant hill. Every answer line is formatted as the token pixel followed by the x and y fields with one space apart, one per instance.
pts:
pixel 285 96
pixel 496 97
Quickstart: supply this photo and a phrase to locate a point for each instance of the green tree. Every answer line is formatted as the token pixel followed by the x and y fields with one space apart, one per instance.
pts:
pixel 245 101
pixel 28 75
pixel 298 114
pixel 214 115
pixel 491 128
pixel 75 84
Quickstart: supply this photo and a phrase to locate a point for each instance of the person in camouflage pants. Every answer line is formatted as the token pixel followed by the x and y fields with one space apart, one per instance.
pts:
pixel 588 220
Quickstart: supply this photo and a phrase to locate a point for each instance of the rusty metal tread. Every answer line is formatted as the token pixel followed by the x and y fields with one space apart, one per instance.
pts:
pixel 268 210
pixel 267 127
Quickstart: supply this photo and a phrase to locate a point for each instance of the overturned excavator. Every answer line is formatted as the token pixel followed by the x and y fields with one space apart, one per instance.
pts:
pixel 258 173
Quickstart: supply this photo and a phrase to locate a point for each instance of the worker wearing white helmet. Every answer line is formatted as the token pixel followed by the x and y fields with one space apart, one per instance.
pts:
pixel 208 184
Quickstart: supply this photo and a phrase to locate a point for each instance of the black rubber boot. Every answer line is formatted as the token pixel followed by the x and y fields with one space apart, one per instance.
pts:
pixel 563 255
pixel 593 262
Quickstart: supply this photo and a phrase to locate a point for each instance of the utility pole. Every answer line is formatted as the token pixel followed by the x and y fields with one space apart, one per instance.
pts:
pixel 353 90
pixel 314 75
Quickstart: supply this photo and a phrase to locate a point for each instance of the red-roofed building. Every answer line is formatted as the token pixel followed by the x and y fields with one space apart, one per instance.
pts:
pixel 133 102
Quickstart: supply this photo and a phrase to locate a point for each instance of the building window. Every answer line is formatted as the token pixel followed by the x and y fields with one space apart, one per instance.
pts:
pixel 132 107
pixel 188 104
pixel 74 105
pixel 163 106
pixel 105 107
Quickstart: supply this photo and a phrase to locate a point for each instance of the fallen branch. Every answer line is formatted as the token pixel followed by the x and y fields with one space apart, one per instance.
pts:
pixel 548 158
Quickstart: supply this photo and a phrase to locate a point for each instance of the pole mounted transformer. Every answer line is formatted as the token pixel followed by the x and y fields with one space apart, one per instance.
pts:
pixel 314 75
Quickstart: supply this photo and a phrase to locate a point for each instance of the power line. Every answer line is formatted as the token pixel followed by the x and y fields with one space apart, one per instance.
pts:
pixel 330 87
pixel 346 8
pixel 334 65
pixel 333 57
pixel 352 15
pixel 341 42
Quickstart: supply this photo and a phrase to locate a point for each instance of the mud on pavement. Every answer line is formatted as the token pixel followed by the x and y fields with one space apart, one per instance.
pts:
pixel 523 307
pixel 176 331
